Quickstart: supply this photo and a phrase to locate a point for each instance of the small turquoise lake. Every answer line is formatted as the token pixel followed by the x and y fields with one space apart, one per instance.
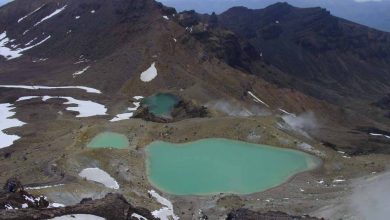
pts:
pixel 211 166
pixel 161 104
pixel 109 140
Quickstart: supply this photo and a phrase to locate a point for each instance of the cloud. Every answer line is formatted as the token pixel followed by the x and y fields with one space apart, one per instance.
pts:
pixel 370 198
pixel 305 121
pixel 236 109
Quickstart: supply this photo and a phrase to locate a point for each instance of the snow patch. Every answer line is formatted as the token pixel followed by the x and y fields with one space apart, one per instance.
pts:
pixel 30 42
pixel 380 135
pixel 130 113
pixel 56 205
pixel 166 212
pixel 13 53
pixel 77 17
pixel 24 98
pixel 78 217
pixel 137 216
pixel 42 187
pixel 100 176
pixel 149 74
pixel 165 17
pixel 40 60
pixel 138 97
pixel 80 72
pixel 256 99
pixel 56 12
pixel 87 89
pixel 8 207
pixel 338 181
pixel 84 108
pixel 123 116
pixel 286 112
pixel 6 122
pixel 21 19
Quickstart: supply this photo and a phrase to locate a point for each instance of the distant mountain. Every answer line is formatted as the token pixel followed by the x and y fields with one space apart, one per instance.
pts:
pixel 371 13
pixel 323 56
pixel 331 55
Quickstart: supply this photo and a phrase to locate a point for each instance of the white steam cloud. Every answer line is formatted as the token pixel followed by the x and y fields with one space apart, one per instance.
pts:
pixel 304 123
pixel 236 109
pixel 371 198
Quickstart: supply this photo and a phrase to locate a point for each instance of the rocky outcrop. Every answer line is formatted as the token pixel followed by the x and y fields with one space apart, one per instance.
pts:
pixel 245 214
pixel 218 42
pixel 182 110
pixel 111 207
pixel 13 196
pixel 188 109
pixel 310 46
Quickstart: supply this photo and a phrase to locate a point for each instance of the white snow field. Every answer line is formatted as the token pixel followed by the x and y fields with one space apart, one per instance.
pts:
pixel 13 52
pixel 80 72
pixel 87 89
pixel 6 122
pixel 166 212
pixel 85 108
pixel 130 113
pixel 100 176
pixel 149 74
pixel 56 12
pixel 78 217
pixel 24 17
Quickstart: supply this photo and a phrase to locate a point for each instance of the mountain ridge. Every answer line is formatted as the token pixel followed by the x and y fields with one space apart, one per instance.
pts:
pixel 283 76
pixel 192 52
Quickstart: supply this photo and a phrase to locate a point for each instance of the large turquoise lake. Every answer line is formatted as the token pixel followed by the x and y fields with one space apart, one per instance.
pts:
pixel 211 166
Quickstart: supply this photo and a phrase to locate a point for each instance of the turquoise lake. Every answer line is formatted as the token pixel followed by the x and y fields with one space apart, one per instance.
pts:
pixel 109 140
pixel 211 166
pixel 160 104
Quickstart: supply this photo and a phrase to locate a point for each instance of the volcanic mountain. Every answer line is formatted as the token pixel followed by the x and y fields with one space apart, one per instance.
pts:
pixel 280 76
pixel 326 56
pixel 284 53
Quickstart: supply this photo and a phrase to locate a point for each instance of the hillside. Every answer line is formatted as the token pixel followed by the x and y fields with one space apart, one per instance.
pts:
pixel 327 57
pixel 74 71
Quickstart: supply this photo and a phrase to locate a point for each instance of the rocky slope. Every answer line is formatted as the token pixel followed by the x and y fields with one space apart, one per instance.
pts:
pixel 125 49
pixel 326 57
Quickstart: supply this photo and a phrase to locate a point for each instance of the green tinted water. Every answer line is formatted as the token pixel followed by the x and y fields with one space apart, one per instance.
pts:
pixel 109 140
pixel 161 104
pixel 210 166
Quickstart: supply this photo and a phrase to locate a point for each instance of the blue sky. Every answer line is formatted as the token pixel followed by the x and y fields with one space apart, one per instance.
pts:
pixel 4 1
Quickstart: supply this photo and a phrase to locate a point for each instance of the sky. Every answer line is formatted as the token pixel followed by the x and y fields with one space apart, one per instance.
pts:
pixel 2 2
